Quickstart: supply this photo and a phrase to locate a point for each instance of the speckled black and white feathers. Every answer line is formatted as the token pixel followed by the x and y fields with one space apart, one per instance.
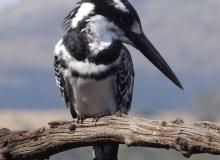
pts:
pixel 59 78
pixel 124 82
pixel 63 85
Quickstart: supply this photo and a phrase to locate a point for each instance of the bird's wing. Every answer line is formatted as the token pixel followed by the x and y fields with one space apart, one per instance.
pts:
pixel 63 85
pixel 124 82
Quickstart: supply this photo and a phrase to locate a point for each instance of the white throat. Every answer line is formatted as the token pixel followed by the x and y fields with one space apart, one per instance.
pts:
pixel 101 33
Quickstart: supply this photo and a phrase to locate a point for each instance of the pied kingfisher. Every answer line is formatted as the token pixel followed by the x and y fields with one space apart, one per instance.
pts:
pixel 94 70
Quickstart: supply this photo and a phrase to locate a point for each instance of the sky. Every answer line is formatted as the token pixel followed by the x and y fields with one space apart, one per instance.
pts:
pixel 186 33
pixel 5 3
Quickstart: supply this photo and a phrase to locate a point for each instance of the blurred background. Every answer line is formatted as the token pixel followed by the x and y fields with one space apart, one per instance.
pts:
pixel 187 34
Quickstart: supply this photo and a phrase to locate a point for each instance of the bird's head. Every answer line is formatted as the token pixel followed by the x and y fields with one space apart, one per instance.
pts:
pixel 106 21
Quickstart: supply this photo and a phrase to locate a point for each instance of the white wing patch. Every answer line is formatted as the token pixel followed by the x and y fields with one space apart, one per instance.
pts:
pixel 120 5
pixel 84 10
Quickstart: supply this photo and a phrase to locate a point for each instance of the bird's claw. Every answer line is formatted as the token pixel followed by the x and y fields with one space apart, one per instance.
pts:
pixel 80 119
pixel 120 114
pixel 95 119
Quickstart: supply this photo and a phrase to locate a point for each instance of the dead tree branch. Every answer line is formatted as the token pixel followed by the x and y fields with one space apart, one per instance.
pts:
pixel 200 137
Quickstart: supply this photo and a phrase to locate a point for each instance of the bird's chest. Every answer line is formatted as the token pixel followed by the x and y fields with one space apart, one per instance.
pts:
pixel 97 50
pixel 92 97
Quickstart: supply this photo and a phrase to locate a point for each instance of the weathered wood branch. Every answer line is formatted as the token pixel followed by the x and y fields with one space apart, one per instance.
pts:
pixel 200 137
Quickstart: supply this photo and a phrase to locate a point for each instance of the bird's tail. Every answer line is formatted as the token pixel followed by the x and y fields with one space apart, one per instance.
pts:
pixel 105 152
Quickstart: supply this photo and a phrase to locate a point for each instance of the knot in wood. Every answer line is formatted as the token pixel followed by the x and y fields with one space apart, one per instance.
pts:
pixel 4 132
pixel 163 123
pixel 5 153
pixel 55 124
pixel 25 134
pixel 72 127
pixel 184 147
pixel 178 120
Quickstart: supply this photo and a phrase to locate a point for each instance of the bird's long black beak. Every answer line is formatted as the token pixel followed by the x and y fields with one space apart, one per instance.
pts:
pixel 141 42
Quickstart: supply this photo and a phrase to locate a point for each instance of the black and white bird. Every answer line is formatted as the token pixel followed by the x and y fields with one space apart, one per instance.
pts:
pixel 94 70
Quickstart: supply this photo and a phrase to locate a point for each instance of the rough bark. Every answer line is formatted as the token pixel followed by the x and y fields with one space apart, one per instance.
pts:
pixel 200 137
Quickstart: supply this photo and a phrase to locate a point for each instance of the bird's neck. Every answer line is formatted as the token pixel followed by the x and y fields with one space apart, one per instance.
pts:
pixel 101 48
pixel 98 34
pixel 97 43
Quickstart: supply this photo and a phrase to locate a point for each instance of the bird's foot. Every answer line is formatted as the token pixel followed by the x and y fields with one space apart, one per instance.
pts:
pixel 120 114
pixel 95 119
pixel 80 119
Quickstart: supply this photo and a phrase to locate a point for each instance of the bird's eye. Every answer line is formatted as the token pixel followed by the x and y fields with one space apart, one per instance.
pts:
pixel 126 19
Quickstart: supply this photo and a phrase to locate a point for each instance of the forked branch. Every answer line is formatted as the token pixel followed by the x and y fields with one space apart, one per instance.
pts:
pixel 200 137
